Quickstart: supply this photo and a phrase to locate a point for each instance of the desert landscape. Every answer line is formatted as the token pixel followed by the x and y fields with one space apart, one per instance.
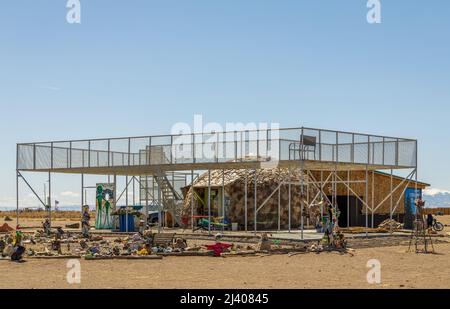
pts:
pixel 399 268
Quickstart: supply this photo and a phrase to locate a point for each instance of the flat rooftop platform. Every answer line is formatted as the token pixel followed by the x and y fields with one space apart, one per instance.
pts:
pixel 313 149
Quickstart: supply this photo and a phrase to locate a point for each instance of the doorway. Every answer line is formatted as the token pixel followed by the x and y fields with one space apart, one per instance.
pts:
pixel 351 215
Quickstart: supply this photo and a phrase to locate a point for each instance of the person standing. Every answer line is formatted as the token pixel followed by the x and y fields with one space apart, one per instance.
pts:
pixel 85 225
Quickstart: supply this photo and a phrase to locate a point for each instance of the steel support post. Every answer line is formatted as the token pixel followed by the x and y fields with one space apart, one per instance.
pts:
pixel 173 186
pixel 82 192
pixel 279 209
pixel 373 197
pixel 153 193
pixel 416 153
pixel 209 202
pixel 302 181
pixel 367 186
pixel 289 201
pixel 348 198
pixel 367 200
pixel 134 190
pixel 192 200
pixel 321 195
pixel 17 179
pixel 147 210
pixel 391 197
pixel 126 203
pixel 17 197
pixel 50 197
pixel 307 203
pixel 335 205
pixel 159 206
pixel 115 199
pixel 223 200
pixel 246 200
pixel 256 202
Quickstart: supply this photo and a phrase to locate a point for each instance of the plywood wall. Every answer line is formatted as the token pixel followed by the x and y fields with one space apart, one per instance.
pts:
pixel 379 187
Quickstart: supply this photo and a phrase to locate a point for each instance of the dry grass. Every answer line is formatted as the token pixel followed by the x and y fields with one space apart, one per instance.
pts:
pixel 38 214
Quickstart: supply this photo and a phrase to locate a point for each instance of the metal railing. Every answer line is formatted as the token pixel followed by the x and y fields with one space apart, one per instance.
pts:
pixel 217 147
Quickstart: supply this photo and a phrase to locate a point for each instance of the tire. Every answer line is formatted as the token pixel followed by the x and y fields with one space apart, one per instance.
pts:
pixel 438 226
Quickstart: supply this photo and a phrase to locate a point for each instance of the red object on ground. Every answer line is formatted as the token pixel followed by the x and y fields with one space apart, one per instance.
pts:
pixel 218 248
pixel 5 228
pixel 184 220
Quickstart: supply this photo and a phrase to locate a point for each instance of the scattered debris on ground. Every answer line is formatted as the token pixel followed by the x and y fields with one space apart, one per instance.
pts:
pixel 264 243
pixel 391 225
pixel 362 230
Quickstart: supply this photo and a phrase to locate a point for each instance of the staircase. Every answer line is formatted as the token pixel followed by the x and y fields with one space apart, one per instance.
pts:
pixel 171 200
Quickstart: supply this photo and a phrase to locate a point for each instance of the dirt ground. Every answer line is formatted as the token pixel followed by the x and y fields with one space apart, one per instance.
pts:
pixel 326 270
pixel 399 269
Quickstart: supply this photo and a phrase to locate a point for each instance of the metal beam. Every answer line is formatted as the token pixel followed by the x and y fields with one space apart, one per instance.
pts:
pixel 367 186
pixel 50 197
pixel 124 190
pixel 289 202
pixel 19 175
pixel 348 199
pixel 373 196
pixel 256 201
pixel 192 199
pixel 391 197
pixel 223 200
pixel 270 196
pixel 82 192
pixel 320 189
pixel 403 192
pixel 392 191
pixel 356 195
pixel 279 209
pixel 209 202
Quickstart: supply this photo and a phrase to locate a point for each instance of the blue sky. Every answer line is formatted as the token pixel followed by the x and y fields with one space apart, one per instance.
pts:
pixel 138 67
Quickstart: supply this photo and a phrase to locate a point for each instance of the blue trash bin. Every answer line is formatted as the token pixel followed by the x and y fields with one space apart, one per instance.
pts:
pixel 123 222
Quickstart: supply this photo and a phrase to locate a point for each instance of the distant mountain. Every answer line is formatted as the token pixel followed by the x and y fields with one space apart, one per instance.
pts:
pixel 436 198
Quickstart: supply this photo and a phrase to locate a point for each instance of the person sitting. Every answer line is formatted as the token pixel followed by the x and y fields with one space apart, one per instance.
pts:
pixel 17 253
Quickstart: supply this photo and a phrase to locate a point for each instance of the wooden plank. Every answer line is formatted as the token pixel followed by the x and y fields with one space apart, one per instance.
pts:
pixel 187 253
pixel 55 257
pixel 124 257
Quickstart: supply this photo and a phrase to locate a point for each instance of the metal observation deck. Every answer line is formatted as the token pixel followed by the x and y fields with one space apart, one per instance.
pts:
pixel 316 149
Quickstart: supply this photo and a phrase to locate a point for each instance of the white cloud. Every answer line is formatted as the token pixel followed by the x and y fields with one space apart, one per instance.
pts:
pixel 69 194
pixel 435 191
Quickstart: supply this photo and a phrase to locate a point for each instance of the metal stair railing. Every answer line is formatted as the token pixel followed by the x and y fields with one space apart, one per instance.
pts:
pixel 172 200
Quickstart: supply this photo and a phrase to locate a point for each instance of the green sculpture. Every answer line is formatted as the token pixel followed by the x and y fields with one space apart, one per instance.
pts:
pixel 104 198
